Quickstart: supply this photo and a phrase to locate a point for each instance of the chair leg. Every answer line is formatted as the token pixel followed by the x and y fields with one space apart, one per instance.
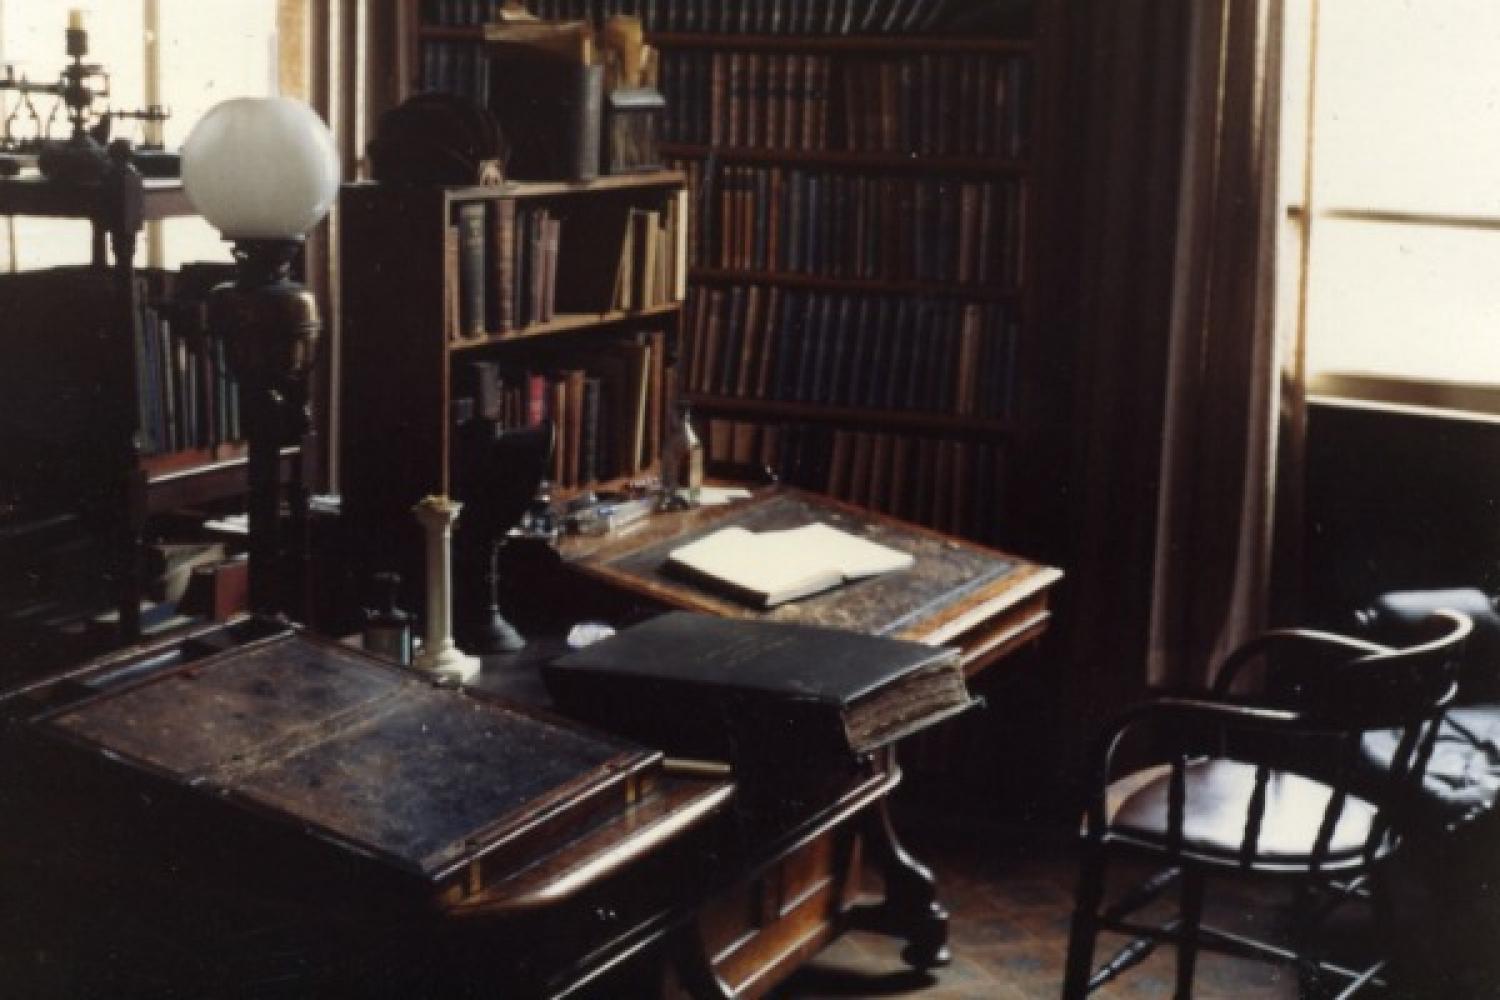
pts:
pixel 1192 916
pixel 1387 938
pixel 1085 923
pixel 1304 928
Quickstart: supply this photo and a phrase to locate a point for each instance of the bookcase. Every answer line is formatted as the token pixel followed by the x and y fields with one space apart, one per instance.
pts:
pixel 514 304
pixel 858 283
pixel 861 313
pixel 119 404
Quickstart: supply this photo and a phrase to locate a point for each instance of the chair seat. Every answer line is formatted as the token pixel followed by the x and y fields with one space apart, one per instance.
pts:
pixel 1217 804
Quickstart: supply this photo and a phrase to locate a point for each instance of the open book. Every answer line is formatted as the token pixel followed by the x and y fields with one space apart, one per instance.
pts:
pixel 772 567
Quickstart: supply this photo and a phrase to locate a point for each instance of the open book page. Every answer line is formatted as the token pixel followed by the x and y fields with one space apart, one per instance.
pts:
pixel 773 567
pixel 855 557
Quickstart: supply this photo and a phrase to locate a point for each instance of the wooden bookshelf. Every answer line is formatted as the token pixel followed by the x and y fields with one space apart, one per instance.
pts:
pixel 873 155
pixel 843 44
pixel 726 275
pixel 135 424
pixel 957 165
pixel 437 333
pixel 903 166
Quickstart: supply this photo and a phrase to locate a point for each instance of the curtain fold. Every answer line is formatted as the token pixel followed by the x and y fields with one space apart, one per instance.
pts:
pixel 355 73
pixel 1227 410
pixel 1156 450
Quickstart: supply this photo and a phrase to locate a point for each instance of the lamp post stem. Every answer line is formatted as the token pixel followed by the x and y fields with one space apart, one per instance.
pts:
pixel 264 502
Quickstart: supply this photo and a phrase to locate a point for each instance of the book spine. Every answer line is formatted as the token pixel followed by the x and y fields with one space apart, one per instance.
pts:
pixel 472 270
pixel 503 251
pixel 590 434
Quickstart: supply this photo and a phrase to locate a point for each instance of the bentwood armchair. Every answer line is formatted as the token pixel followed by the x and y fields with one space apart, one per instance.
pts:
pixel 1271 787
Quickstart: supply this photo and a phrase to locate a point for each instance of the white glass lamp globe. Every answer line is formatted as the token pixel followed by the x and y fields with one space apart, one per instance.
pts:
pixel 260 168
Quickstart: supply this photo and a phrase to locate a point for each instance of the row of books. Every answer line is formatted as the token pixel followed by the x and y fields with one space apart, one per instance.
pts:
pixel 775 17
pixel 862 351
pixel 186 395
pixel 502 262
pixel 927 103
pixel 606 402
pixel 504 255
pixel 857 226
pixel 950 484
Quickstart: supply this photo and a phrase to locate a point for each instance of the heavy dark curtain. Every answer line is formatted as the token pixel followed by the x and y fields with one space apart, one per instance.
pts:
pixel 1155 443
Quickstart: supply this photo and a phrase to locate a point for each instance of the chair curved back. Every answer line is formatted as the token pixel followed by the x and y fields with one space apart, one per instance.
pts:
pixel 1394 688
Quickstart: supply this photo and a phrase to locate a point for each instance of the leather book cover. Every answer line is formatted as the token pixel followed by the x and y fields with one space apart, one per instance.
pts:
pixel 573 381
pixel 503 254
pixel 588 460
pixel 745 690
pixel 472 267
pixel 771 329
pixel 729 355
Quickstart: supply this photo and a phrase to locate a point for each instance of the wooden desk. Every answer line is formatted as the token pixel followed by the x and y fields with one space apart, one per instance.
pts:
pixel 140 870
pixel 959 593
pixel 682 891
pixel 986 602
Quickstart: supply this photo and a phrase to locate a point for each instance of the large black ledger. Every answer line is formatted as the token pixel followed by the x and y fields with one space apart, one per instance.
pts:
pixel 743 691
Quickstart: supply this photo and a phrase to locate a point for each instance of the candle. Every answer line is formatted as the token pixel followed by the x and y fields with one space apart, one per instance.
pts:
pixel 75 20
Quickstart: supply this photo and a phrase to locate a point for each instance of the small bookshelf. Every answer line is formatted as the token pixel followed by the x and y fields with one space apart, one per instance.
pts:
pixel 458 309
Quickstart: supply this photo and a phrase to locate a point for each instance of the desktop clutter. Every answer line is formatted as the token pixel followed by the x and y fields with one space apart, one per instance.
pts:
pixel 26 138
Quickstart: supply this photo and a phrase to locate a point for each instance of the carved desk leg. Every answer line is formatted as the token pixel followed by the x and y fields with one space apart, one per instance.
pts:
pixel 910 908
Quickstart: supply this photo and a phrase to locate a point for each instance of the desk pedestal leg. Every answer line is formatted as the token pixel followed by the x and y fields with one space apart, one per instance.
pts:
pixel 695 969
pixel 910 908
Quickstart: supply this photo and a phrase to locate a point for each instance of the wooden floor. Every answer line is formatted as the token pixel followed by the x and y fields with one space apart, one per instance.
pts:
pixel 1011 904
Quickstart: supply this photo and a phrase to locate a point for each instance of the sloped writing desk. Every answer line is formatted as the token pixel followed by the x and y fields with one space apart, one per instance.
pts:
pixel 247 810
pixel 958 593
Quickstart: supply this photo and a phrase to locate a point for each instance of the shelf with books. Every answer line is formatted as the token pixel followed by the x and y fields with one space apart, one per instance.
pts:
pixel 927 229
pixel 864 353
pixel 760 409
pixel 568 322
pixel 842 44
pixel 953 484
pixel 726 275
pixel 828 21
pixel 471 311
pixel 844 158
pixel 860 256
pixel 115 382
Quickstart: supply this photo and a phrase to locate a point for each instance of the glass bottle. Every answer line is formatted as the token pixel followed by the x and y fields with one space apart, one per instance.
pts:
pixel 387 627
pixel 682 461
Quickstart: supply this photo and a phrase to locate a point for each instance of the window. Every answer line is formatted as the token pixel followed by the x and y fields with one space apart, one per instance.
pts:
pixel 1391 178
pixel 190 53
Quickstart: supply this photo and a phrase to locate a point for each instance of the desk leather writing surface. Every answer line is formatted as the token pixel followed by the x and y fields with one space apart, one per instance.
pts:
pixel 946 571
pixel 323 736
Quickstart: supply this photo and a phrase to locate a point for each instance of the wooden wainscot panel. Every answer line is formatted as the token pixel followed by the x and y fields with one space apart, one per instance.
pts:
pixel 798 906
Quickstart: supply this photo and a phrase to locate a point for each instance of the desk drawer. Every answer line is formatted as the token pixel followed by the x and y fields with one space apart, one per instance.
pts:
pixel 759 930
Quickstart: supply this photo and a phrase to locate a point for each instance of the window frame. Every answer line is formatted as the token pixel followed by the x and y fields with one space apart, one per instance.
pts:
pixel 1408 393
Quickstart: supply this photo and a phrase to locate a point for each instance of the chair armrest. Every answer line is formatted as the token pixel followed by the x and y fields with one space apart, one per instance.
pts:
pixel 1309 640
pixel 1180 710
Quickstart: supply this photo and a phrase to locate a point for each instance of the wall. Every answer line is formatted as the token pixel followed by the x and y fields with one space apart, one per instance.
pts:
pixel 1398 500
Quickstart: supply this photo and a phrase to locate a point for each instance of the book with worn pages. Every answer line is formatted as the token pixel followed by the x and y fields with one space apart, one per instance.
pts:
pixel 742 690
pixel 768 568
